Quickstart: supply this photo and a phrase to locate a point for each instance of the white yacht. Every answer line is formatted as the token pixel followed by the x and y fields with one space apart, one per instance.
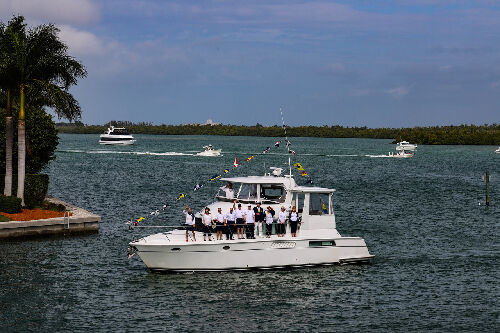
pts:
pixel 317 243
pixel 116 136
pixel 405 145
pixel 210 151
pixel 498 150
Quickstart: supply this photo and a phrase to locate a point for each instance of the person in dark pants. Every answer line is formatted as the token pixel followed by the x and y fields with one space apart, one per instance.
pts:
pixel 230 221
pixel 269 221
pixel 294 221
pixel 250 222
pixel 240 221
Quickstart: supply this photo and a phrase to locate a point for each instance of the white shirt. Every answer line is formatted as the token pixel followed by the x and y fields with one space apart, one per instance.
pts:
pixel 282 217
pixel 269 218
pixel 189 218
pixel 220 217
pixel 229 192
pixel 249 214
pixel 230 216
pixel 207 219
pixel 238 213
pixel 294 216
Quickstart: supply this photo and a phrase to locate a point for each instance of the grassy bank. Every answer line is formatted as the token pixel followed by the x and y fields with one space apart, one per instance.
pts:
pixel 435 135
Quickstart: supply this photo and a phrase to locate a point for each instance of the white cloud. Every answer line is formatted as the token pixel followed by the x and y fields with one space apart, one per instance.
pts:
pixel 81 42
pixel 397 92
pixel 55 11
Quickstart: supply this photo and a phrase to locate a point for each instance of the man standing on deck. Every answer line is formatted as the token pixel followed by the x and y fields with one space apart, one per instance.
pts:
pixel 249 222
pixel 240 221
pixel 259 218
pixel 189 222
pixel 230 221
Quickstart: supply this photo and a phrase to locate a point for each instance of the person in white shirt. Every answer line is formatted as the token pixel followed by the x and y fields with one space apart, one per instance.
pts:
pixel 281 223
pixel 249 222
pixel 189 222
pixel 228 189
pixel 240 221
pixel 207 225
pixel 230 221
pixel 269 221
pixel 220 220
pixel 294 221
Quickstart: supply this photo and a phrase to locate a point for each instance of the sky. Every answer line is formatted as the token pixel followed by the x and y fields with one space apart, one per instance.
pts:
pixel 368 63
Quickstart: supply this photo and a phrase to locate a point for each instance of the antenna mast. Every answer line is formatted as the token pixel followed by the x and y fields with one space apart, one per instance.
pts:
pixel 287 142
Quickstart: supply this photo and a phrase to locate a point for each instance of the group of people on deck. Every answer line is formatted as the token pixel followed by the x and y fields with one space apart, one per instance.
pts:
pixel 245 223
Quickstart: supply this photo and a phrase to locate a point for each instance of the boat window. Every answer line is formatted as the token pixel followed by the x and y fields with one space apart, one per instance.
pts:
pixel 318 204
pixel 248 192
pixel 271 193
pixel 321 243
pixel 298 201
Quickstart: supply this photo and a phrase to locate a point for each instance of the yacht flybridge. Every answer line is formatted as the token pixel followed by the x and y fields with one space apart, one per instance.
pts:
pixel 116 136
pixel 317 242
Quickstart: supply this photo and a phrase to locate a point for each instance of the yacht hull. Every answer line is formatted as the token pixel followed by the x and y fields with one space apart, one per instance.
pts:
pixel 117 143
pixel 264 253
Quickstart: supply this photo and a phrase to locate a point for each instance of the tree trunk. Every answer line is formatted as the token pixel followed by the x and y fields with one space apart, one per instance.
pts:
pixel 9 142
pixel 21 148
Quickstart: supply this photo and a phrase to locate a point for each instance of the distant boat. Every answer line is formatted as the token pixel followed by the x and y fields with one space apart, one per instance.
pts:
pixel 116 136
pixel 210 151
pixel 498 150
pixel 405 145
pixel 399 154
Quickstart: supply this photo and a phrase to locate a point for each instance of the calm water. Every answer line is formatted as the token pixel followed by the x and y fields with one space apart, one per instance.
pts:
pixel 437 250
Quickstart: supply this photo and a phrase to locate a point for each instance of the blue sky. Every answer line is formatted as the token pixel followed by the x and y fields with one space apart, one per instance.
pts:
pixel 353 63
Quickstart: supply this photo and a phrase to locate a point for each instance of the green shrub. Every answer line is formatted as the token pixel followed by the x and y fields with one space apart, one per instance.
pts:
pixel 10 205
pixel 35 188
pixel 53 206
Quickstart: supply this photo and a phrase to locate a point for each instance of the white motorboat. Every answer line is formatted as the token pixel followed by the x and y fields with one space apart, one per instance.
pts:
pixel 116 136
pixel 210 151
pixel 405 145
pixel 498 150
pixel 317 242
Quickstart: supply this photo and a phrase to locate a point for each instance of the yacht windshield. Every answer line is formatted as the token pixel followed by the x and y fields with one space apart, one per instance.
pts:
pixel 319 204
pixel 272 193
pixel 248 192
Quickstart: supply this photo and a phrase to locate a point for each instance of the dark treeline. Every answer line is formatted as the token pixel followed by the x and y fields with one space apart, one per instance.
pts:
pixel 435 135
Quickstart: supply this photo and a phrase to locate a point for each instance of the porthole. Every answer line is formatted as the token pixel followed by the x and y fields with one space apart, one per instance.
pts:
pixel 226 247
pixel 176 249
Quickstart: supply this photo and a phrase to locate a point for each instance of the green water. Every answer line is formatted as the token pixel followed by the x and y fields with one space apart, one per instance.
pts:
pixel 437 253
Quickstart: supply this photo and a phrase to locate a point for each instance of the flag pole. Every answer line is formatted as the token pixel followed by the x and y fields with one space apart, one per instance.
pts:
pixel 287 142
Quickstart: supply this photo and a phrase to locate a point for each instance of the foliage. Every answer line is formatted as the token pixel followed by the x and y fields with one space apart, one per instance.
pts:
pixel 445 135
pixel 35 189
pixel 11 205
pixel 4 218
pixel 41 136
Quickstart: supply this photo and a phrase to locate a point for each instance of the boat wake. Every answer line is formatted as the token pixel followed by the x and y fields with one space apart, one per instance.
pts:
pixel 123 152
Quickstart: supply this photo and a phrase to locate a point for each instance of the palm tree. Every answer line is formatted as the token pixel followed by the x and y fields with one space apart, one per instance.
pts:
pixel 44 72
pixel 7 85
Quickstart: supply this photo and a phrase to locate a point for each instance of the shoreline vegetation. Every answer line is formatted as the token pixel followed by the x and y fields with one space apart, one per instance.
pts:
pixel 433 135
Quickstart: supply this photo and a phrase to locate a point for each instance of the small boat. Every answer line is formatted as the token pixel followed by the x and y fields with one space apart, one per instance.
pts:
pixel 498 150
pixel 116 136
pixel 317 241
pixel 210 151
pixel 405 145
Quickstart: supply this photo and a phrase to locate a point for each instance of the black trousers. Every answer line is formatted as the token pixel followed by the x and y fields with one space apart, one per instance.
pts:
pixel 293 226
pixel 281 228
pixel 269 229
pixel 230 230
pixel 250 230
